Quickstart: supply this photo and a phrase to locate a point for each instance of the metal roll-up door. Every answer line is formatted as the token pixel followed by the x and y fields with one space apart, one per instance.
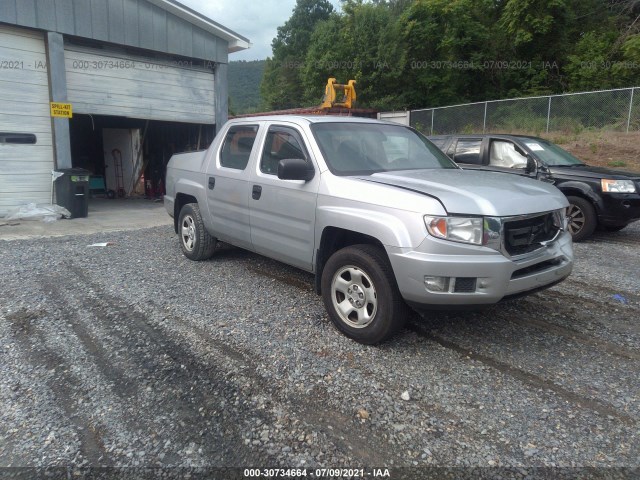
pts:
pixel 125 85
pixel 26 147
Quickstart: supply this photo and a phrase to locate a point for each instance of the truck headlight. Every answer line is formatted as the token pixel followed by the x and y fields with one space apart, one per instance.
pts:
pixel 456 229
pixel 618 186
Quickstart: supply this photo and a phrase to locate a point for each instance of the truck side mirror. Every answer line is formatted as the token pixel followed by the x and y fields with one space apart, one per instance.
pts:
pixel 531 164
pixel 295 169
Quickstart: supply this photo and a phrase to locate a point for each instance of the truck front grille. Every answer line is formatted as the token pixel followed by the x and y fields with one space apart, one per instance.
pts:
pixel 527 235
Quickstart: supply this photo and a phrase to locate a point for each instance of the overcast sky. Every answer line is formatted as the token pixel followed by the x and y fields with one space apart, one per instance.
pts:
pixel 256 20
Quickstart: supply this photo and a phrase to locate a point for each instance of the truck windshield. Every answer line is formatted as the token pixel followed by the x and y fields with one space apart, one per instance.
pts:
pixel 551 154
pixel 365 148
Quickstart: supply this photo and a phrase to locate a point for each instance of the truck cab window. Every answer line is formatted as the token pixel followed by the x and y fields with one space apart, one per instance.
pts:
pixel 468 151
pixel 279 145
pixel 506 154
pixel 237 146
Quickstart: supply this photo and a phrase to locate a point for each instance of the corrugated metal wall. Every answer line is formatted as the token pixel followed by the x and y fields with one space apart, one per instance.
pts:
pixel 25 170
pixel 121 84
pixel 136 23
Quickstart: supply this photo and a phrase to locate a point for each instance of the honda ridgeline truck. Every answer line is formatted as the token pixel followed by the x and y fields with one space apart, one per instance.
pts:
pixel 379 214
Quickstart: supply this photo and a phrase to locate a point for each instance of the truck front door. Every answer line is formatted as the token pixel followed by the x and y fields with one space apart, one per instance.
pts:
pixel 283 212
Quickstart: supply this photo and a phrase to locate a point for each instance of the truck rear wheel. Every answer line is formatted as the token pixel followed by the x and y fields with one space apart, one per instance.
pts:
pixel 361 296
pixel 197 244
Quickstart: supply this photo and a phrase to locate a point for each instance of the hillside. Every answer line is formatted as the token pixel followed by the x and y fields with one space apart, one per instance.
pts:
pixel 244 86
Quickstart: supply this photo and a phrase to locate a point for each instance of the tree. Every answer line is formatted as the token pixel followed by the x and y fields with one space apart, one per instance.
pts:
pixel 426 53
pixel 281 84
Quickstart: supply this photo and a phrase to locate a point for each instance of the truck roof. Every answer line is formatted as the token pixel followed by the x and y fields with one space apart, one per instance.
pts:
pixel 309 119
pixel 482 135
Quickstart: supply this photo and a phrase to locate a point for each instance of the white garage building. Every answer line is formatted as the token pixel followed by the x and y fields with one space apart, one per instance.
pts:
pixel 145 78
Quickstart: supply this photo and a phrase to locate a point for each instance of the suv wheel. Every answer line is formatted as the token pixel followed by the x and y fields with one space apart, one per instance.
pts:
pixel 197 244
pixel 581 218
pixel 361 296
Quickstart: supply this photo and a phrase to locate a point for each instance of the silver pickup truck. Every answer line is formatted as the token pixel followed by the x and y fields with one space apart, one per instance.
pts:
pixel 380 215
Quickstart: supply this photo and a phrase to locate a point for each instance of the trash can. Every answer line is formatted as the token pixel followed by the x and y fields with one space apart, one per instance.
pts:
pixel 72 191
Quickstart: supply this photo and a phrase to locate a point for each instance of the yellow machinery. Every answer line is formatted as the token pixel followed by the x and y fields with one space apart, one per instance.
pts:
pixel 339 95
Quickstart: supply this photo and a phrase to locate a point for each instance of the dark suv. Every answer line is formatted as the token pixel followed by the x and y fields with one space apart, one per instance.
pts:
pixel 598 197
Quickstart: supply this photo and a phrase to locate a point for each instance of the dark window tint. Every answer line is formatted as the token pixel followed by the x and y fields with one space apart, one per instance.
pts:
pixel 280 144
pixel 468 151
pixel 21 138
pixel 237 146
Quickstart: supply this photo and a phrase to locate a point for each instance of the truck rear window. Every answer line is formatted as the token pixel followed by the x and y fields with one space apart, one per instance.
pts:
pixel 237 146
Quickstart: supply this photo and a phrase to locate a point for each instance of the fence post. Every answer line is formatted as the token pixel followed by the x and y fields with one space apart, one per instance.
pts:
pixel 548 113
pixel 432 112
pixel 484 122
pixel 630 109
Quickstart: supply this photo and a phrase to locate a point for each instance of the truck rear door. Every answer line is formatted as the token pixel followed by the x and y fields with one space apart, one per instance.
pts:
pixel 228 186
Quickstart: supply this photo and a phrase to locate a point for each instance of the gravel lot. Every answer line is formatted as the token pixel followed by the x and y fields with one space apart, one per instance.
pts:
pixel 132 355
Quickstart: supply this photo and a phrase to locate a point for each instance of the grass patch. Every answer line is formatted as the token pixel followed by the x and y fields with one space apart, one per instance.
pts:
pixel 617 163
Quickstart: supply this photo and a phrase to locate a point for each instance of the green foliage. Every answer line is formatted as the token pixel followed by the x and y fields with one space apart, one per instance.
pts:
pixel 617 163
pixel 417 53
pixel 282 83
pixel 244 86
pixel 359 45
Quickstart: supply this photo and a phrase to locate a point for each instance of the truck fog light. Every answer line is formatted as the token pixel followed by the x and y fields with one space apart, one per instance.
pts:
pixel 436 284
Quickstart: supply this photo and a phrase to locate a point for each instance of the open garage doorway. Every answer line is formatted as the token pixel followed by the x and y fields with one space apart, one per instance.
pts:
pixel 128 157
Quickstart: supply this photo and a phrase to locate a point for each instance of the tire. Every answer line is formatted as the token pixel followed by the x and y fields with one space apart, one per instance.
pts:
pixel 582 218
pixel 197 244
pixel 362 273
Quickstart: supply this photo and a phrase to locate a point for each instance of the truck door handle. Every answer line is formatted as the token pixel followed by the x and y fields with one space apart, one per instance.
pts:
pixel 212 183
pixel 256 192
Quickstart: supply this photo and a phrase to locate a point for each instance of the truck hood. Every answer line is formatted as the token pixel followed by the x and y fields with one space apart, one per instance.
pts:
pixel 465 192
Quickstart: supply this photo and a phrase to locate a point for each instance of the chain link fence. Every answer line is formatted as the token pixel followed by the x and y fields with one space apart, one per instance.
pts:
pixel 607 110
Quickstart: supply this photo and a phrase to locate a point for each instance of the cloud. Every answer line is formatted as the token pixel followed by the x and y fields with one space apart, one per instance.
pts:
pixel 256 20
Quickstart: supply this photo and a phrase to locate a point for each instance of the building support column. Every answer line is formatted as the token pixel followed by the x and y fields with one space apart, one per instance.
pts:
pixel 221 92
pixel 58 93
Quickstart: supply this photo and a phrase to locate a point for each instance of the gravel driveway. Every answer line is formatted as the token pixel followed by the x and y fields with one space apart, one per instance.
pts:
pixel 132 355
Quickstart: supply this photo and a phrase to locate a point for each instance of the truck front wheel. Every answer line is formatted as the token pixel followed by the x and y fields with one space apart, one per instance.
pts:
pixel 196 242
pixel 361 295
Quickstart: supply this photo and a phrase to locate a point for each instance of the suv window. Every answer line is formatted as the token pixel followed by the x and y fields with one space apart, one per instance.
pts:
pixel 506 154
pixel 237 146
pixel 281 143
pixel 468 151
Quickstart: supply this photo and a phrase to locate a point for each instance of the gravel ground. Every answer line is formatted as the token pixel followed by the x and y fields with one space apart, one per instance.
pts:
pixel 131 355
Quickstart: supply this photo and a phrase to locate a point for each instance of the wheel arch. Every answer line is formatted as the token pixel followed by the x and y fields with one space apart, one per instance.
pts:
pixel 334 239
pixel 181 200
pixel 577 189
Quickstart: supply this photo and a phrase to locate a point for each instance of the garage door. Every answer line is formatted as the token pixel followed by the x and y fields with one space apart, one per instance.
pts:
pixel 124 85
pixel 26 151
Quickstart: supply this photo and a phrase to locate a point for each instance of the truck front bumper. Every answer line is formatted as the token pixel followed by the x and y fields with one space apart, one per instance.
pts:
pixel 476 275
